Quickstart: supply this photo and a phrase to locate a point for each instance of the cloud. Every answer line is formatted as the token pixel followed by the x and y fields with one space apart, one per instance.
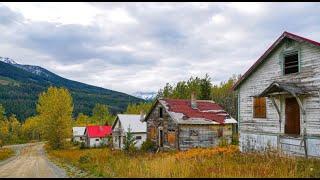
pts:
pixel 132 47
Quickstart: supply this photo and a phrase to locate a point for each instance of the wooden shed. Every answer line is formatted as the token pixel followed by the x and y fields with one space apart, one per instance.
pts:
pixel 183 124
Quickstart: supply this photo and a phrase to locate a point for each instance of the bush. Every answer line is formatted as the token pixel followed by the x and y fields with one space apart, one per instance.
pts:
pixel 148 146
pixel 84 159
pixel 223 142
pixel 235 139
pixel 83 145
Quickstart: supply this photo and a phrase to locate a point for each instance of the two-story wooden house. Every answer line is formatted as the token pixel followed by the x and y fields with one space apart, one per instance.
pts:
pixel 279 98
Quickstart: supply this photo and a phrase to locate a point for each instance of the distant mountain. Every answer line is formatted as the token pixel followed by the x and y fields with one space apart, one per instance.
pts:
pixel 20 86
pixel 145 95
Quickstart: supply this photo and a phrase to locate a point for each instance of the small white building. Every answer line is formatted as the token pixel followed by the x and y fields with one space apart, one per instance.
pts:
pixel 97 135
pixel 78 134
pixel 120 128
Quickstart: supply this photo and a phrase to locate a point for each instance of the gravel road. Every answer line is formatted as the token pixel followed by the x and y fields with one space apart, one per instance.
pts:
pixel 30 162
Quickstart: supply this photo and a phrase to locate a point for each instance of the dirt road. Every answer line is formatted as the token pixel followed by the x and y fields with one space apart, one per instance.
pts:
pixel 30 162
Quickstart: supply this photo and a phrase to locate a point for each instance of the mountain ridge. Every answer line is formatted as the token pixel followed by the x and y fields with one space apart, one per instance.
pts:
pixel 34 79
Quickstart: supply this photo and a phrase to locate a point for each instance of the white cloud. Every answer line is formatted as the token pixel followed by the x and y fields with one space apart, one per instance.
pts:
pixel 132 47
pixel 63 12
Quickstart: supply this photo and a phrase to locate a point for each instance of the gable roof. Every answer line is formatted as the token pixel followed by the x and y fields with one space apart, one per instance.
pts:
pixel 131 121
pixel 269 50
pixel 207 112
pixel 98 131
pixel 78 131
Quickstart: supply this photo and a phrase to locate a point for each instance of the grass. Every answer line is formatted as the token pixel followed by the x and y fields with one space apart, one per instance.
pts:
pixel 211 162
pixel 5 153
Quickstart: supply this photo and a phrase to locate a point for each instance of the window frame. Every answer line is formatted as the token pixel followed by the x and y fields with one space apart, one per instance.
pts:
pixel 288 53
pixel 254 113
pixel 160 112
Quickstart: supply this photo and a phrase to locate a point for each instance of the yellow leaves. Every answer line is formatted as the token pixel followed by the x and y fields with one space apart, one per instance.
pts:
pixel 55 112
pixel 5 153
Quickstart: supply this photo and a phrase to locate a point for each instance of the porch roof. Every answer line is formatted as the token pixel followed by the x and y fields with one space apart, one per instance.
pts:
pixel 279 87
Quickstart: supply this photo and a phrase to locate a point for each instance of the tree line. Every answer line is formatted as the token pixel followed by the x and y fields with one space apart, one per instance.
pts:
pixel 53 120
pixel 202 87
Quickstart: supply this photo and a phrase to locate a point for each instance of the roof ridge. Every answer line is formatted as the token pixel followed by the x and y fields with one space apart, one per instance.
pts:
pixel 269 50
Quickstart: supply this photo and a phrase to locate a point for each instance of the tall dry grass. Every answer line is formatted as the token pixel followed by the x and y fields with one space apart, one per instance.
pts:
pixel 5 153
pixel 211 162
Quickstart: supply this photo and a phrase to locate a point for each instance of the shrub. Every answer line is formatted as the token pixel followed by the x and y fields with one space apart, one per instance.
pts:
pixel 83 145
pixel 223 142
pixel 148 146
pixel 235 139
pixel 129 142
pixel 84 159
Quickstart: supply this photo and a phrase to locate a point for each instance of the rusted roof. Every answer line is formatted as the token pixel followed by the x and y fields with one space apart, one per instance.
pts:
pixel 269 50
pixel 206 111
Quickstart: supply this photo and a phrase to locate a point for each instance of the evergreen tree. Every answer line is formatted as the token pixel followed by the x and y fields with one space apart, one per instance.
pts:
pixel 129 142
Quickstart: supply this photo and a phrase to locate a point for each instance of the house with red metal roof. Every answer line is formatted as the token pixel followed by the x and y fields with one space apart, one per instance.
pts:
pixel 183 124
pixel 279 98
pixel 97 135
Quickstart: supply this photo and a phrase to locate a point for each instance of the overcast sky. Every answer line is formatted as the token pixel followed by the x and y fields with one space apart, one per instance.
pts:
pixel 132 47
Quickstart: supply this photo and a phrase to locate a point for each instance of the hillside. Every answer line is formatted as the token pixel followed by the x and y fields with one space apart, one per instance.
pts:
pixel 20 86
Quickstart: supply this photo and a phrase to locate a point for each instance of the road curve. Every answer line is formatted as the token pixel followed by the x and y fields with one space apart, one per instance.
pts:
pixel 30 162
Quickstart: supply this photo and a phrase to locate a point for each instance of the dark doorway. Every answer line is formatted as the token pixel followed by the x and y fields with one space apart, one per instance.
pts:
pixel 161 138
pixel 119 142
pixel 292 124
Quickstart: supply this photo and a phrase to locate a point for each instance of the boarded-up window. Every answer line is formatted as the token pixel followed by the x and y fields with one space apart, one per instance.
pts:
pixel 171 138
pixel 259 107
pixel 152 132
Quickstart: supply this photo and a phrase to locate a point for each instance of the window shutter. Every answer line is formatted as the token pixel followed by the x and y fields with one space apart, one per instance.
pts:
pixel 263 107
pixel 259 107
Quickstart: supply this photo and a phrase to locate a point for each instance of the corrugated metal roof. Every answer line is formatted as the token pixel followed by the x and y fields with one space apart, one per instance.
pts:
pixel 133 122
pixel 98 131
pixel 207 112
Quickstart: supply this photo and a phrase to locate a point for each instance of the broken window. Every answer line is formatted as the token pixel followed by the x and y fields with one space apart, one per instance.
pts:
pixel 259 107
pixel 291 63
pixel 193 132
pixel 160 112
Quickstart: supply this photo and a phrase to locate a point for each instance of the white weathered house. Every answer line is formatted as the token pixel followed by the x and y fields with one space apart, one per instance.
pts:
pixel 279 98
pixel 138 128
pixel 78 134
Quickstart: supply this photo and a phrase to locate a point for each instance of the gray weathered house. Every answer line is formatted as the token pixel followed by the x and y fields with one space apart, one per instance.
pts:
pixel 183 124
pixel 279 98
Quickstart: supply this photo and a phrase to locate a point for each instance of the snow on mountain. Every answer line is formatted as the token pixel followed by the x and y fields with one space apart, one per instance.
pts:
pixel 7 60
pixel 33 69
pixel 145 95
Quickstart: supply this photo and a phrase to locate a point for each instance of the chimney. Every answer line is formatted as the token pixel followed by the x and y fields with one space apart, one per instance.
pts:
pixel 193 100
pixel 141 116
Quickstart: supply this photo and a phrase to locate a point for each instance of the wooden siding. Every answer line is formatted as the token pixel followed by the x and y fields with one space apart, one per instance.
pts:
pixel 179 137
pixel 270 71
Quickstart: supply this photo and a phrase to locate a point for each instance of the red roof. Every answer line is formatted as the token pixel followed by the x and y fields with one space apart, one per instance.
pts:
pixel 271 48
pixel 99 131
pixel 202 111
